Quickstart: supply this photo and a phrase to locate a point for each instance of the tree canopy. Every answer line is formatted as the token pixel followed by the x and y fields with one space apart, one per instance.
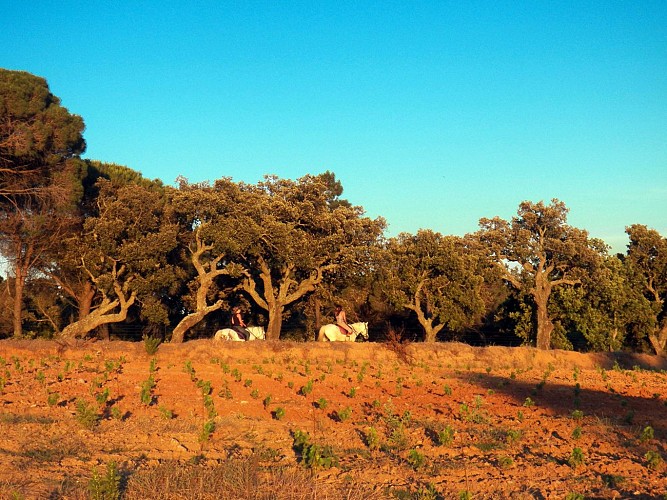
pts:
pixel 93 247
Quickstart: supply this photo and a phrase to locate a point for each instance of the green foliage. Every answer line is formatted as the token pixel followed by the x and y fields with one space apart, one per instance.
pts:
pixel 416 459
pixel 446 436
pixel 576 458
pixel 372 439
pixel 146 394
pixel 322 403
pixel 313 455
pixel 107 486
pixel 86 415
pixel 267 401
pixel 52 398
pixel 653 460
pixel 306 389
pixel 419 271
pixel 207 429
pixel 151 344
pixel 574 496
pixel 166 412
pixel 647 434
pixel 279 413
pixel 343 414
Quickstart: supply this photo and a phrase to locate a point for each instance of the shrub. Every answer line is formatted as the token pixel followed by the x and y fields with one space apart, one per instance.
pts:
pixel 86 415
pixel 372 439
pixel 151 344
pixel 647 434
pixel 446 436
pixel 206 431
pixel 416 459
pixel 279 413
pixel 344 414
pixel 313 455
pixel 653 460
pixel 106 487
pixel 576 458
pixel 267 401
pixel 306 389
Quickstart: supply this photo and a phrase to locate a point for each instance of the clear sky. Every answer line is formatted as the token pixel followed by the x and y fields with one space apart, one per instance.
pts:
pixel 432 114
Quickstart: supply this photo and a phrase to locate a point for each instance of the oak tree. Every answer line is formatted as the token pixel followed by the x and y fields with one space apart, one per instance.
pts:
pixel 537 251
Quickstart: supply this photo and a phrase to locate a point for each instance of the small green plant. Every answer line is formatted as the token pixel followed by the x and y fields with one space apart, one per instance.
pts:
pixel 576 458
pixel 372 439
pixel 103 396
pixel 313 455
pixel 528 403
pixel 352 393
pixel 505 462
pixel 52 398
pixel 153 366
pixel 207 429
pixel 322 403
pixel 254 394
pixel 225 392
pixel 465 495
pixel 205 387
pixel 647 434
pixel 306 389
pixel 416 459
pixel 576 432
pixel 146 394
pixel 247 383
pixel 574 496
pixel 513 436
pixel 577 415
pixel 86 414
pixel 40 377
pixel 629 417
pixel 267 401
pixel 343 414
pixel 107 486
pixel 653 460
pixel 166 412
pixel 279 413
pixel 519 416
pixel 446 436
pixel 116 413
pixel 151 344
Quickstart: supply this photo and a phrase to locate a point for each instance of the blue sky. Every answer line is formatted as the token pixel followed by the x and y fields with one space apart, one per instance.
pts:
pixel 432 114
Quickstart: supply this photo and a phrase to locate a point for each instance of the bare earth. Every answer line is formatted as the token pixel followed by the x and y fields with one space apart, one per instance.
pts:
pixel 522 423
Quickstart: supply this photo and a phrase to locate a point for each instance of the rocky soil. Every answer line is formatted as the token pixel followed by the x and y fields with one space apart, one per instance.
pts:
pixel 316 420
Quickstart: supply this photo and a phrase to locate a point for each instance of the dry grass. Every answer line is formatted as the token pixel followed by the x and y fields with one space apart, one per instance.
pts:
pixel 238 479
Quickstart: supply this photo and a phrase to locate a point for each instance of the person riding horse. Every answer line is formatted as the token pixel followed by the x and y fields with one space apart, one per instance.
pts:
pixel 238 325
pixel 341 320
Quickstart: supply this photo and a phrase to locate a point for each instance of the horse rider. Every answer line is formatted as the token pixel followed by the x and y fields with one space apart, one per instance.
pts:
pixel 341 320
pixel 238 325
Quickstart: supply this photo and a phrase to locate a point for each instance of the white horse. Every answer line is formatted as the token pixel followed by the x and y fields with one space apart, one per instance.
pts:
pixel 256 333
pixel 333 333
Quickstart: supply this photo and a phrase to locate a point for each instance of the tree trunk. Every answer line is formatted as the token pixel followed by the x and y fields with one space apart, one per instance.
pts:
pixel 86 299
pixel 275 322
pixel 19 286
pixel 544 325
pixel 99 317
pixel 659 340
pixel 103 331
pixel 191 320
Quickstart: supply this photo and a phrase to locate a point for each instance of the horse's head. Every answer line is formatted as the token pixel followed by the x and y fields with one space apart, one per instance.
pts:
pixel 363 330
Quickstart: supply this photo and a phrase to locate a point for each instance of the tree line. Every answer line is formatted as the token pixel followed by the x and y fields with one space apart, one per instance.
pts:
pixel 91 246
